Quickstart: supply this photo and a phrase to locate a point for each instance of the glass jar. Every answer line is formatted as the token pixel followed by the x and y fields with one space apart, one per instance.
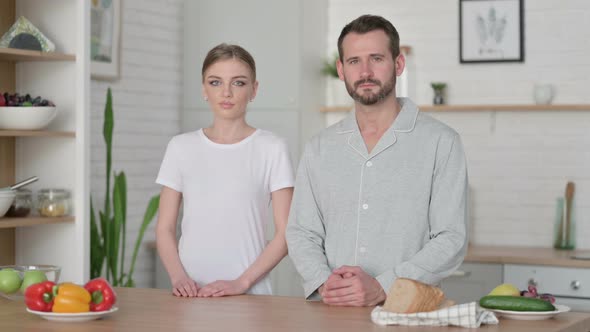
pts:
pixel 53 202
pixel 22 204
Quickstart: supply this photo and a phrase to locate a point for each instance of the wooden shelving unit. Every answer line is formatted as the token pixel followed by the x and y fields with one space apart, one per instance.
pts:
pixel 33 221
pixel 481 108
pixel 18 55
pixel 36 133
pixel 58 156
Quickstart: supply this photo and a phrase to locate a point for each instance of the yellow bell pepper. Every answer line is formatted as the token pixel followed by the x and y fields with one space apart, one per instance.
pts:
pixel 71 298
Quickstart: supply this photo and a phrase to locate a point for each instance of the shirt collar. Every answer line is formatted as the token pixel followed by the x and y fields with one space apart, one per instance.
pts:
pixel 404 122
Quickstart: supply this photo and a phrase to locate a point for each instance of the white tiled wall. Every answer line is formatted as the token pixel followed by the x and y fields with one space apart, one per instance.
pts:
pixel 519 162
pixel 146 102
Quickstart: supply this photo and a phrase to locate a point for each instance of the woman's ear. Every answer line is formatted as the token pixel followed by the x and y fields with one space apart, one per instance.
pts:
pixel 254 90
pixel 205 98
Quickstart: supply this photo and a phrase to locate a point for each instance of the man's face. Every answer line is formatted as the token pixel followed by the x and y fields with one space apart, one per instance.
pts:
pixel 368 68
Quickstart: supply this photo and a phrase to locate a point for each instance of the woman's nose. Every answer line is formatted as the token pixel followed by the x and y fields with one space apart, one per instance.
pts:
pixel 227 91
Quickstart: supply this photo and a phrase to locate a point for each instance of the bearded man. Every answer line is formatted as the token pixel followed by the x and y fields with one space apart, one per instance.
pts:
pixel 381 194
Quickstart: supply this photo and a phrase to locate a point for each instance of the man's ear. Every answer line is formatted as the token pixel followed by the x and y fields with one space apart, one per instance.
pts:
pixel 339 69
pixel 400 64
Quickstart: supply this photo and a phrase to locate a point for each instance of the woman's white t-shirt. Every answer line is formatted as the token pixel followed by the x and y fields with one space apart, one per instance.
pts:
pixel 226 191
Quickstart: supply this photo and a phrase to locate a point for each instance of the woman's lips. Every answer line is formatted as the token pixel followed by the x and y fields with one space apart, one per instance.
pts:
pixel 226 105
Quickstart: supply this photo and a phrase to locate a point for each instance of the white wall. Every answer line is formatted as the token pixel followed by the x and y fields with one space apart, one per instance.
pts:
pixel 146 103
pixel 519 162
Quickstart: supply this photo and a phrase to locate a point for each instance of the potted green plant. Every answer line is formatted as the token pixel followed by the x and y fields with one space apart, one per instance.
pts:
pixel 439 89
pixel 108 238
pixel 336 94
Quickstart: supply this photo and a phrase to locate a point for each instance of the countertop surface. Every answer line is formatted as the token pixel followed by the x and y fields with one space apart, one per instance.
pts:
pixel 158 310
pixel 526 255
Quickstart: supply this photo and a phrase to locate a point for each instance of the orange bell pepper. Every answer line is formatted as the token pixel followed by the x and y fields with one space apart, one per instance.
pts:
pixel 71 298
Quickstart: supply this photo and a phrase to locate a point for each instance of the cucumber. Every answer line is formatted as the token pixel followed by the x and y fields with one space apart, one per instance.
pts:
pixel 515 303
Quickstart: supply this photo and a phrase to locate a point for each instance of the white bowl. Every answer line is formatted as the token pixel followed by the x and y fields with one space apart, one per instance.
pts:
pixel 6 200
pixel 26 117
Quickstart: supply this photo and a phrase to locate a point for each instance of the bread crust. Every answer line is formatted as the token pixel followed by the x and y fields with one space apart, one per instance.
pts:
pixel 409 296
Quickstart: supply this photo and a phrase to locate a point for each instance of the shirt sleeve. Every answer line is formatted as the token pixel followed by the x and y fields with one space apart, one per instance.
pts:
pixel 170 174
pixel 281 173
pixel 445 250
pixel 306 232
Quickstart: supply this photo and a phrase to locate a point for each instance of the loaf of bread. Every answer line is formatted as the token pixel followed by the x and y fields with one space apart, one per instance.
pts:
pixel 408 296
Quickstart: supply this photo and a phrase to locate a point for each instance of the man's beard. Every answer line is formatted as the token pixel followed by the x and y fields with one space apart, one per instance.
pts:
pixel 371 98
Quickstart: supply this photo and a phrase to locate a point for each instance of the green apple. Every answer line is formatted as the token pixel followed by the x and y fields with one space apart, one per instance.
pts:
pixel 32 277
pixel 9 281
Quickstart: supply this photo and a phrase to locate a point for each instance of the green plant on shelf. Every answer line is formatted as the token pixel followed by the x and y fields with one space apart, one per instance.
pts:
pixel 107 242
pixel 329 68
pixel 438 86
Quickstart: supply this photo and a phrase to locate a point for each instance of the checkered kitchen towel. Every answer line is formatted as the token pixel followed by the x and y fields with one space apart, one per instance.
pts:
pixel 465 315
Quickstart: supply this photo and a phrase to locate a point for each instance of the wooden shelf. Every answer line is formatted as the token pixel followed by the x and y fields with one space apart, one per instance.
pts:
pixel 479 108
pixel 15 54
pixel 36 133
pixel 32 221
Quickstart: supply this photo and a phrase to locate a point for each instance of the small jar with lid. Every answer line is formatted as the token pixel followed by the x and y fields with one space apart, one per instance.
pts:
pixel 22 204
pixel 53 202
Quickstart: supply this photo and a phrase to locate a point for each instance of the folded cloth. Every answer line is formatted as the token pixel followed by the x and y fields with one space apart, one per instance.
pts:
pixel 465 315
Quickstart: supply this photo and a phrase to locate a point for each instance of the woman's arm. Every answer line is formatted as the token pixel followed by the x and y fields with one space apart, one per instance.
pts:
pixel 268 259
pixel 182 284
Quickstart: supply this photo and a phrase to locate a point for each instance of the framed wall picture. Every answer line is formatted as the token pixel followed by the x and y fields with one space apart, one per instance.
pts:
pixel 491 31
pixel 105 27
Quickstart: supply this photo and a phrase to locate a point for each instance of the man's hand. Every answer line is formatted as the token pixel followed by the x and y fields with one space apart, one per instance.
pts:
pixel 351 286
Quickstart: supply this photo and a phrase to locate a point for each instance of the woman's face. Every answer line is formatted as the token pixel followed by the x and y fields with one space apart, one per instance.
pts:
pixel 228 87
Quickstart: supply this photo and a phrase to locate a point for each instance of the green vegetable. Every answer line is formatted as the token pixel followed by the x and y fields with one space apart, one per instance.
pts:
pixel 515 303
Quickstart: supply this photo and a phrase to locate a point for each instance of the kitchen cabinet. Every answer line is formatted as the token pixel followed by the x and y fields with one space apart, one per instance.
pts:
pixel 570 286
pixel 58 155
pixel 471 281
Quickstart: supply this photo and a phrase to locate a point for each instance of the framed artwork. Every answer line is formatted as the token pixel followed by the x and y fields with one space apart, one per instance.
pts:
pixel 105 27
pixel 491 31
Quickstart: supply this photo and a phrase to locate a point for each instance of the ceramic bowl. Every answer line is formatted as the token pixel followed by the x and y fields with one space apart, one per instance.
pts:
pixel 26 118
pixel 11 282
pixel 6 199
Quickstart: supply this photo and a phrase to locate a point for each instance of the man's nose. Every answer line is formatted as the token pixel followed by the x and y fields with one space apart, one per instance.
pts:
pixel 366 70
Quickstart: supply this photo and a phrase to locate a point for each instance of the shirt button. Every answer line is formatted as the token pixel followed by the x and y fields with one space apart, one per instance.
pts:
pixel 365 206
pixel 369 164
pixel 363 249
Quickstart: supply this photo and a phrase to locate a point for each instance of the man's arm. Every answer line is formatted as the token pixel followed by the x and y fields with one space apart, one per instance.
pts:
pixel 448 221
pixel 306 232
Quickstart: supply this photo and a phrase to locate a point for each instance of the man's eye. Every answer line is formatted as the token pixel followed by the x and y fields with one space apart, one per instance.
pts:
pixel 215 83
pixel 352 62
pixel 377 59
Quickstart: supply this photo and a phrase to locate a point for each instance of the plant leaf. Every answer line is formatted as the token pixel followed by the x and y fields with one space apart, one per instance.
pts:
pixel 150 212
pixel 105 225
pixel 121 182
pixel 107 132
pixel 117 223
pixel 96 248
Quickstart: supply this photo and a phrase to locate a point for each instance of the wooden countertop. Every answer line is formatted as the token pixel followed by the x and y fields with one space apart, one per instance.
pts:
pixel 157 310
pixel 526 255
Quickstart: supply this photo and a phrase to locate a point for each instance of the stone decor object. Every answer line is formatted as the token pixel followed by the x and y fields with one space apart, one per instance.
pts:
pixel 24 35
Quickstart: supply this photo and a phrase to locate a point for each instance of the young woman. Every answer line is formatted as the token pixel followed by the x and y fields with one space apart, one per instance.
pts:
pixel 226 175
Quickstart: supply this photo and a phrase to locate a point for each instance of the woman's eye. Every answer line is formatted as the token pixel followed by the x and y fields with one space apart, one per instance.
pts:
pixel 215 83
pixel 239 83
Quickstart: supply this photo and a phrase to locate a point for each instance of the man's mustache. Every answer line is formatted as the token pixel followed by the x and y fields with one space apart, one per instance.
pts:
pixel 368 80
